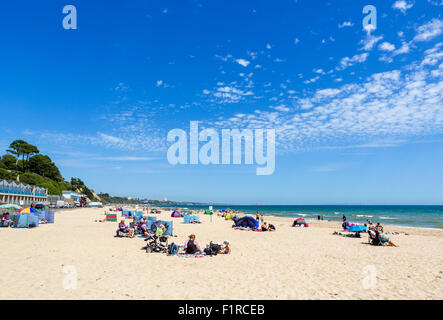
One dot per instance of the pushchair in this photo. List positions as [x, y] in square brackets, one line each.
[157, 244]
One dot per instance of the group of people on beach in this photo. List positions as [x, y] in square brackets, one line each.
[264, 225]
[192, 247]
[375, 232]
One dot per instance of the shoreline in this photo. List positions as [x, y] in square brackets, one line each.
[312, 215]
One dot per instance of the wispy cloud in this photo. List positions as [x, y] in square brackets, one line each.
[402, 5]
[398, 103]
[345, 24]
[429, 31]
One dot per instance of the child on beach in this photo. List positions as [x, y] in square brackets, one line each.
[226, 249]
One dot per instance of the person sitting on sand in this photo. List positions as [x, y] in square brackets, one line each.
[135, 225]
[122, 227]
[142, 225]
[191, 246]
[271, 227]
[6, 220]
[264, 226]
[226, 249]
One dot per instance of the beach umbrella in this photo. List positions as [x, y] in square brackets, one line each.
[10, 206]
[357, 228]
[29, 210]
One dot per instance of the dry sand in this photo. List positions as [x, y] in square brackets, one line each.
[291, 263]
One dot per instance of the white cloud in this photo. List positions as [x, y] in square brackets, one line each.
[370, 42]
[348, 62]
[429, 30]
[242, 62]
[345, 24]
[402, 5]
[403, 49]
[386, 46]
[400, 104]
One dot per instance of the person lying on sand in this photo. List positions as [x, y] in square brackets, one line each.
[191, 246]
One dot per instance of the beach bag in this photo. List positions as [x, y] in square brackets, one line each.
[215, 248]
[173, 249]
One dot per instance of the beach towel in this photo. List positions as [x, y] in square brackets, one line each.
[182, 253]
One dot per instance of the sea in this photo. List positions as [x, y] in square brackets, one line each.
[421, 216]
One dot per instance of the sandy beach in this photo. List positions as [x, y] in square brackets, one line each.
[291, 263]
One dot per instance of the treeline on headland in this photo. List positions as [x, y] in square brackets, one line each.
[24, 163]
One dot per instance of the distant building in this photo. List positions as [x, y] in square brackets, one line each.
[71, 195]
[95, 204]
[20, 193]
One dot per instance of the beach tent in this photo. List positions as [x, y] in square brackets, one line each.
[49, 216]
[26, 220]
[149, 221]
[191, 219]
[247, 222]
[138, 215]
[299, 222]
[175, 214]
[156, 224]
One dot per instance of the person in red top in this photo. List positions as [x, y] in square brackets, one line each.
[6, 220]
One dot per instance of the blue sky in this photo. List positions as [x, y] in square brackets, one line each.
[358, 116]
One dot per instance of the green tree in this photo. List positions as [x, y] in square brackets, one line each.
[43, 166]
[9, 161]
[28, 150]
[25, 150]
[16, 149]
[6, 175]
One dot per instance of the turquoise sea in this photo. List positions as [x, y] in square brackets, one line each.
[409, 216]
